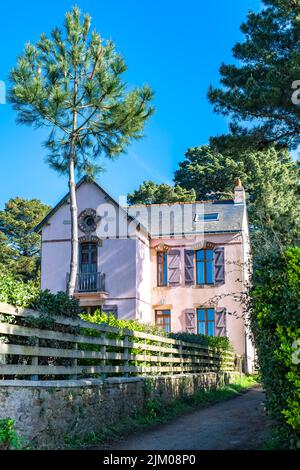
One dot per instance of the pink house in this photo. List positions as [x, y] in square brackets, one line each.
[183, 266]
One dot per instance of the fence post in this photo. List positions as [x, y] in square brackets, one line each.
[145, 357]
[3, 359]
[181, 356]
[126, 350]
[160, 345]
[35, 362]
[171, 356]
[103, 352]
[74, 362]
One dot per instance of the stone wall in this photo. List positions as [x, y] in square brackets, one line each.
[45, 412]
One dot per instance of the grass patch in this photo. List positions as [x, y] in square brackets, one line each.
[158, 413]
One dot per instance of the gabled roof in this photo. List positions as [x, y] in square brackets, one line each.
[230, 215]
[84, 179]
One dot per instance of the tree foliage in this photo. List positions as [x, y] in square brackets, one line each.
[72, 82]
[275, 322]
[258, 88]
[20, 245]
[76, 73]
[270, 178]
[29, 295]
[152, 193]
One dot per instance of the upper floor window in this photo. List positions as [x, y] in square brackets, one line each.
[205, 266]
[163, 319]
[206, 321]
[162, 268]
[88, 258]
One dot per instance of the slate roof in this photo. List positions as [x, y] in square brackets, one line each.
[178, 218]
[182, 221]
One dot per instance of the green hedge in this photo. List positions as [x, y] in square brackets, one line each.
[111, 320]
[29, 295]
[276, 330]
[221, 343]
[216, 342]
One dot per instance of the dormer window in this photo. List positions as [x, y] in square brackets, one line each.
[208, 217]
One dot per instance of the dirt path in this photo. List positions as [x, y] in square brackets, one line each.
[239, 423]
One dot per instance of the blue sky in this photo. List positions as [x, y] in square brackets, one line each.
[174, 46]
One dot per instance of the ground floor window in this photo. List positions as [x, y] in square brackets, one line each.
[206, 321]
[163, 319]
[90, 310]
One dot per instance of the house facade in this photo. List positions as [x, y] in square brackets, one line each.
[182, 266]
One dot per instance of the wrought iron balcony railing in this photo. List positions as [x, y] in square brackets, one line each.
[89, 282]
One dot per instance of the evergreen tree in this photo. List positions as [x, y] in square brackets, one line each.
[19, 245]
[270, 178]
[258, 89]
[152, 193]
[72, 83]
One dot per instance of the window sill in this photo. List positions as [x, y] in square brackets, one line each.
[204, 286]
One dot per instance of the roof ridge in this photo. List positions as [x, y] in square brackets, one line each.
[207, 201]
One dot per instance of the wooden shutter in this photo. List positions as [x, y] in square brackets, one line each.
[190, 320]
[174, 267]
[221, 321]
[219, 265]
[189, 276]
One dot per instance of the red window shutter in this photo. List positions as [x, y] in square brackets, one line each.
[219, 265]
[189, 256]
[190, 320]
[221, 321]
[174, 267]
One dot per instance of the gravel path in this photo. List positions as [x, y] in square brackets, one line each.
[238, 423]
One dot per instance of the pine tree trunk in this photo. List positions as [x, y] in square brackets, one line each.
[74, 226]
[73, 201]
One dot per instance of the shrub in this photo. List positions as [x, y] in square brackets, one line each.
[27, 294]
[215, 342]
[8, 436]
[111, 320]
[220, 343]
[276, 328]
[17, 292]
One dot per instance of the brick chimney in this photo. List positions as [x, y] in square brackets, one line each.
[239, 193]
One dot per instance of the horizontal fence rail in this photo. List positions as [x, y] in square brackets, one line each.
[77, 349]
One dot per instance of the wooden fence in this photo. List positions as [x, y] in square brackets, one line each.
[76, 349]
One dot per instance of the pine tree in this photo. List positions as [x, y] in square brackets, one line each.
[19, 244]
[257, 90]
[270, 178]
[72, 83]
[152, 193]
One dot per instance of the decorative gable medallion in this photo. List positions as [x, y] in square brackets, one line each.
[88, 221]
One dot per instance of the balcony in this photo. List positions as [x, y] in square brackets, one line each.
[89, 288]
